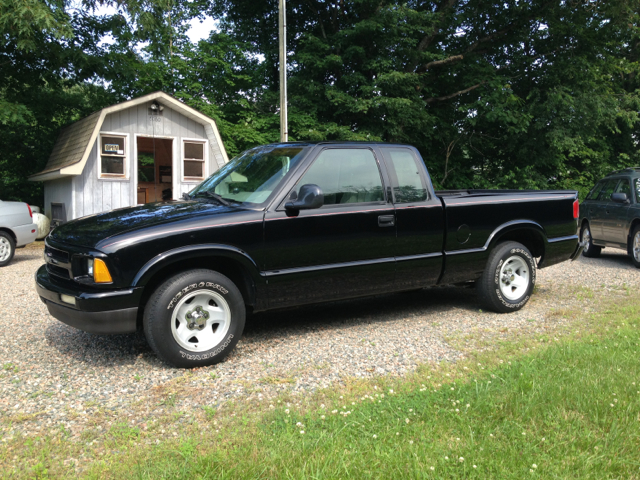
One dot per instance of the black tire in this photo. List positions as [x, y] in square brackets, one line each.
[634, 247]
[590, 250]
[187, 290]
[7, 248]
[493, 286]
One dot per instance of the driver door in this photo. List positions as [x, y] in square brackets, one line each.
[344, 248]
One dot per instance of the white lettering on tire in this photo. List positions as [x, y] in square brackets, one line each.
[210, 354]
[188, 288]
[496, 279]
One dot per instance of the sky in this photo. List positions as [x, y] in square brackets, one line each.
[200, 30]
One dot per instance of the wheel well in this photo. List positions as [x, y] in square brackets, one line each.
[230, 268]
[584, 222]
[13, 235]
[636, 222]
[529, 238]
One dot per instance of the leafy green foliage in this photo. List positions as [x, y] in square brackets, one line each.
[505, 94]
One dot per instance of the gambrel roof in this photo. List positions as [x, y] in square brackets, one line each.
[74, 144]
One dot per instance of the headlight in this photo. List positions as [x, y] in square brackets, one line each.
[98, 269]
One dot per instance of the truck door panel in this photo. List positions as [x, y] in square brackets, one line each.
[341, 250]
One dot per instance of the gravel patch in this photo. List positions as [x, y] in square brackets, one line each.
[53, 376]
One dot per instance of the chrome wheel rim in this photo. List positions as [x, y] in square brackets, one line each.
[514, 278]
[636, 246]
[586, 239]
[200, 321]
[5, 249]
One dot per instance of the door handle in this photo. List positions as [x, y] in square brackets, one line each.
[386, 221]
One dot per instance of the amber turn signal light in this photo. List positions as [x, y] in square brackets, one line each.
[101, 272]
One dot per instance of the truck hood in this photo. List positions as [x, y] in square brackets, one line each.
[94, 230]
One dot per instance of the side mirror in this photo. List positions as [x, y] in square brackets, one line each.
[620, 197]
[310, 197]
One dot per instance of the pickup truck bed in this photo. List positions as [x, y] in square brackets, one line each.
[290, 224]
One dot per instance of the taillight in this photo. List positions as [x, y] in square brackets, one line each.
[576, 209]
[30, 212]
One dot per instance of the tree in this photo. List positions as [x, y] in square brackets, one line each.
[509, 94]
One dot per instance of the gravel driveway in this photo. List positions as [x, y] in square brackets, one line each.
[55, 376]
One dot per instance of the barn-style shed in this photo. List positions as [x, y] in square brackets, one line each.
[147, 149]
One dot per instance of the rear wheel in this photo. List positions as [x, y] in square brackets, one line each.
[590, 250]
[194, 319]
[508, 280]
[635, 246]
[7, 248]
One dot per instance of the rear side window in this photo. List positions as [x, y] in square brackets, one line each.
[607, 190]
[410, 186]
[345, 175]
[636, 184]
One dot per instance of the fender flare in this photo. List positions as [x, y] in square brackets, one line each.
[516, 225]
[503, 229]
[193, 251]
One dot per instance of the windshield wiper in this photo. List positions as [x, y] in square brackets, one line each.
[185, 196]
[215, 196]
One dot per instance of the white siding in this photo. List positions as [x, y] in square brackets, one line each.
[94, 195]
[172, 124]
[58, 191]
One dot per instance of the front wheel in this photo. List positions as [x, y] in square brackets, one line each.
[194, 319]
[508, 280]
[590, 250]
[635, 246]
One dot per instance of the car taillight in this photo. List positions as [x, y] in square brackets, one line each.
[576, 209]
[30, 212]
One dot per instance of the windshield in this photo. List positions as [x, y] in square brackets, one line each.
[252, 176]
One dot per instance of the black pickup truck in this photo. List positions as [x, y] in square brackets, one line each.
[290, 224]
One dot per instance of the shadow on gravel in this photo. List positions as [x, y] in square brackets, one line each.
[614, 259]
[98, 350]
[119, 350]
[352, 313]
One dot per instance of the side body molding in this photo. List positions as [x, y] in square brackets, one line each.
[193, 251]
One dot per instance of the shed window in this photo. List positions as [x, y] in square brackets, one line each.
[194, 160]
[112, 156]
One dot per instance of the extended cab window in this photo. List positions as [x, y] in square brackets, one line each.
[636, 184]
[345, 175]
[607, 190]
[410, 186]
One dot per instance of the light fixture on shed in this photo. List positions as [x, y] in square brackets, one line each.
[156, 107]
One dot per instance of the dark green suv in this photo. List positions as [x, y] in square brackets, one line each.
[610, 215]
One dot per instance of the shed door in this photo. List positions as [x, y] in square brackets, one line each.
[154, 164]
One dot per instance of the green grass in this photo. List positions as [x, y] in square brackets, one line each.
[565, 409]
[571, 410]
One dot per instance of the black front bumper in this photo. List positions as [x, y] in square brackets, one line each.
[110, 311]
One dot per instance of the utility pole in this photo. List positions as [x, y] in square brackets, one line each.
[282, 23]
